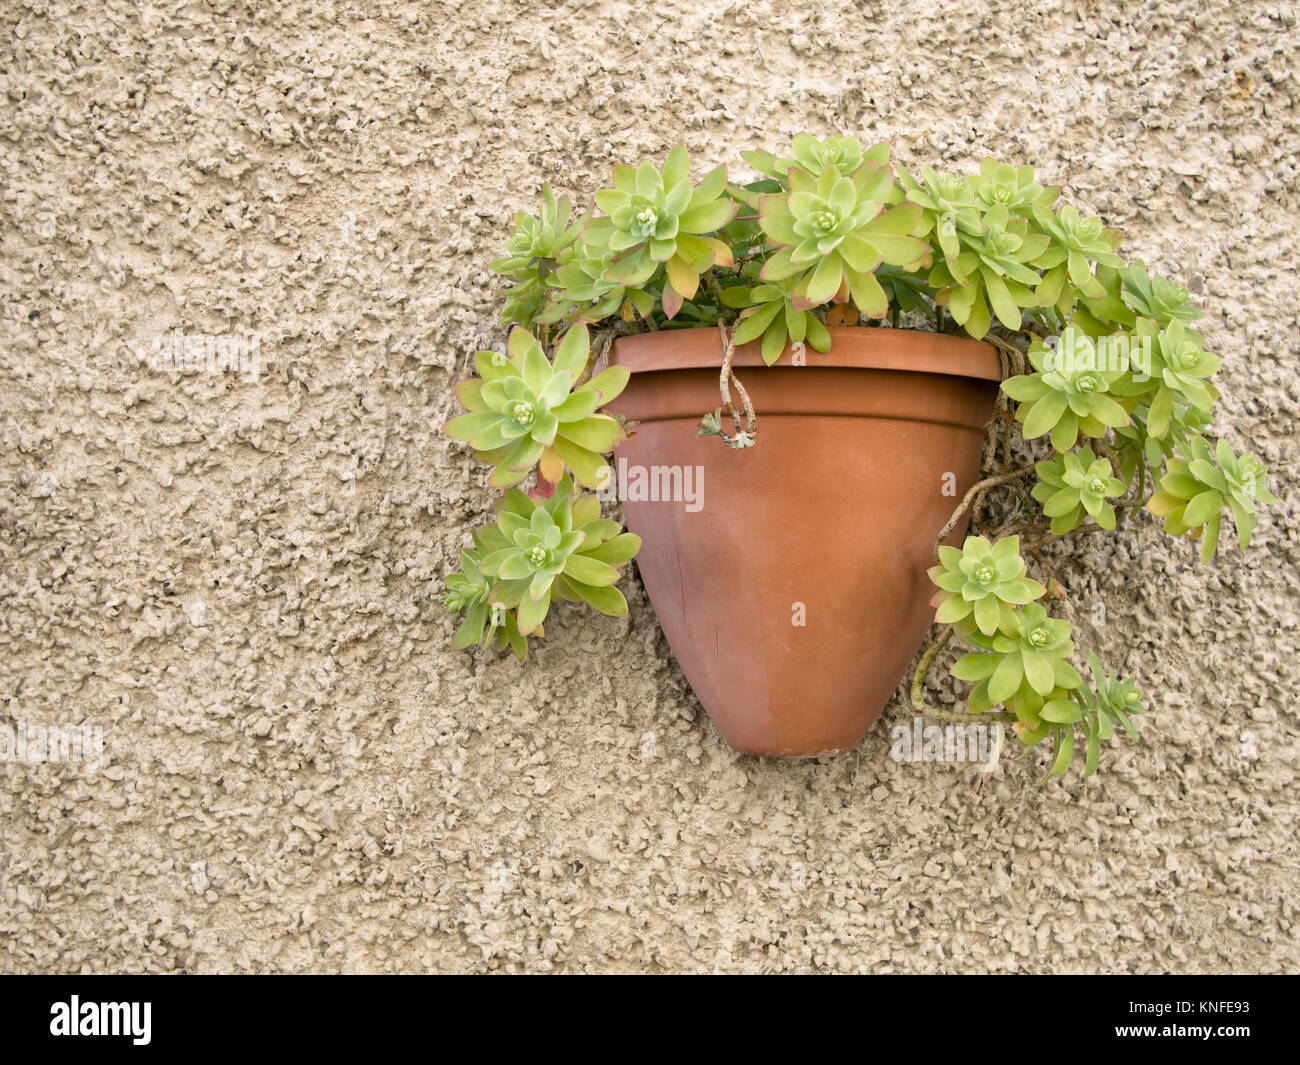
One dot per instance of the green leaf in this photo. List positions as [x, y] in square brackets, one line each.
[1025, 388]
[987, 614]
[819, 336]
[1094, 749]
[532, 612]
[773, 342]
[825, 280]
[616, 551]
[1038, 672]
[1064, 752]
[677, 168]
[710, 186]
[1044, 415]
[572, 351]
[597, 531]
[738, 296]
[598, 433]
[1004, 306]
[610, 382]
[752, 327]
[951, 610]
[579, 405]
[975, 667]
[588, 570]
[1210, 542]
[706, 217]
[607, 599]
[586, 465]
[465, 427]
[1202, 508]
[1006, 679]
[867, 294]
[1066, 431]
[1061, 712]
[492, 365]
[1124, 720]
[470, 630]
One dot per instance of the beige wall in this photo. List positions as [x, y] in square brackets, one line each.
[238, 579]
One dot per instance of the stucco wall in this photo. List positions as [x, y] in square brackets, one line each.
[238, 579]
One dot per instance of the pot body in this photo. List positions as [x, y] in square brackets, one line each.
[790, 577]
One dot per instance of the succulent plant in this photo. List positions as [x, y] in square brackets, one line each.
[540, 549]
[1076, 244]
[525, 409]
[1076, 483]
[769, 312]
[659, 218]
[1011, 188]
[1136, 448]
[814, 156]
[833, 230]
[1193, 494]
[948, 208]
[469, 592]
[829, 233]
[993, 269]
[1030, 653]
[581, 292]
[1095, 713]
[1064, 398]
[1177, 381]
[535, 249]
[983, 582]
[1119, 700]
[1157, 298]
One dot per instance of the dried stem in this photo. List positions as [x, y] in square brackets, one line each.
[976, 489]
[1091, 527]
[917, 693]
[726, 379]
[604, 344]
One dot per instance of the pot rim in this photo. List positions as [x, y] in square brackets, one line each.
[852, 347]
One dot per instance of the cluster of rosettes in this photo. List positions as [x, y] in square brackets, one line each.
[1020, 656]
[1128, 362]
[526, 412]
[538, 550]
[1116, 377]
[649, 247]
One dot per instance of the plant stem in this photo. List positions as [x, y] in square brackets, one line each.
[649, 320]
[976, 489]
[1107, 452]
[917, 692]
[715, 290]
[1016, 528]
[1091, 527]
[726, 379]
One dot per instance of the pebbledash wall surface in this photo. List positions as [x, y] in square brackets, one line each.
[232, 566]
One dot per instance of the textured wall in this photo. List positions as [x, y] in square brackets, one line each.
[237, 579]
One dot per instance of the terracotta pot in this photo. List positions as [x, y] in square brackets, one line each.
[793, 589]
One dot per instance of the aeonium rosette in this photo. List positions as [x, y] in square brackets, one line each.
[525, 409]
[658, 218]
[982, 584]
[546, 548]
[832, 231]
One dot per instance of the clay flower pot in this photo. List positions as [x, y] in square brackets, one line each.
[790, 577]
